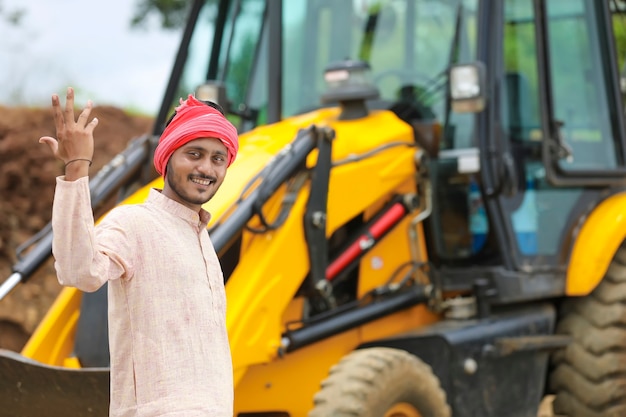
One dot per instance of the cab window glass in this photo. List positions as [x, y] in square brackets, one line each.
[580, 88]
[537, 214]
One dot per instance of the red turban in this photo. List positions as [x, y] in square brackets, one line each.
[194, 120]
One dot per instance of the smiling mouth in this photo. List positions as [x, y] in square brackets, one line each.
[202, 181]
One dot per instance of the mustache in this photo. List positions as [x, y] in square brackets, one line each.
[204, 177]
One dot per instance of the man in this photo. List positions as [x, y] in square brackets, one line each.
[167, 334]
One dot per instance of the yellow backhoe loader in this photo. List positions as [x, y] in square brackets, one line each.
[426, 217]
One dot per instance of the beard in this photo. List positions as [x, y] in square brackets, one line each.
[179, 189]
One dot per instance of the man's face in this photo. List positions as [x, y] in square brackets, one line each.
[195, 172]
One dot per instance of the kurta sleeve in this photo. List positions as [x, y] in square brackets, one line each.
[86, 256]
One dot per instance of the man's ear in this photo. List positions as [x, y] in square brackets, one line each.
[166, 169]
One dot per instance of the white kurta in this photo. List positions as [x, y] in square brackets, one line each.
[167, 305]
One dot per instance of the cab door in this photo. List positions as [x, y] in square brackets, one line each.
[560, 117]
[583, 122]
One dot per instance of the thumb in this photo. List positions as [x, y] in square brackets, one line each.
[51, 142]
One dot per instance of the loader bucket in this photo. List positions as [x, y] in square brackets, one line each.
[32, 389]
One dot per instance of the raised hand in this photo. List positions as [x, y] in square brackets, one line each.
[74, 143]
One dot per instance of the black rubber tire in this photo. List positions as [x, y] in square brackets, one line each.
[370, 382]
[589, 376]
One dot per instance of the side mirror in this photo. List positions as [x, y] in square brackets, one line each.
[467, 87]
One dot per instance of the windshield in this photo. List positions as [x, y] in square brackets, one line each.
[408, 44]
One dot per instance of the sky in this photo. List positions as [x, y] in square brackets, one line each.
[87, 45]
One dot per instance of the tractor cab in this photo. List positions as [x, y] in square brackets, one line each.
[512, 192]
[530, 208]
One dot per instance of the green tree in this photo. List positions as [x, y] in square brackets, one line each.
[13, 17]
[173, 13]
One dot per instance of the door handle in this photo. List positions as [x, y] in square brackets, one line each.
[559, 148]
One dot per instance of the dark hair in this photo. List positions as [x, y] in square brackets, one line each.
[207, 102]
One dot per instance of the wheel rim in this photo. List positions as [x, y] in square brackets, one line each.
[403, 410]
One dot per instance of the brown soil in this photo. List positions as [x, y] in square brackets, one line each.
[27, 178]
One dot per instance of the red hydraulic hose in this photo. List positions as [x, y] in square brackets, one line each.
[374, 233]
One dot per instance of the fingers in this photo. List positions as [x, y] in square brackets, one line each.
[64, 117]
[91, 125]
[68, 113]
[59, 123]
[84, 115]
[51, 142]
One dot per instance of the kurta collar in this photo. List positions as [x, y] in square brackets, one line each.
[174, 207]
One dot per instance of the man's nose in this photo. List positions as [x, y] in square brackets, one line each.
[205, 167]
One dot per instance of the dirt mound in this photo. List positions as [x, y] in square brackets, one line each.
[27, 178]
